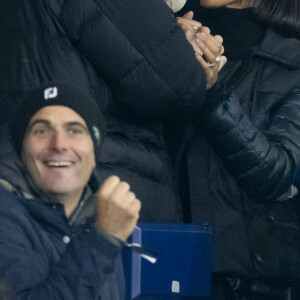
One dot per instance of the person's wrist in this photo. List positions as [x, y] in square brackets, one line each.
[109, 237]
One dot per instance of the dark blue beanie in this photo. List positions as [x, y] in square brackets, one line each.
[64, 94]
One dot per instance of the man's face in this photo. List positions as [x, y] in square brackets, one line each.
[58, 151]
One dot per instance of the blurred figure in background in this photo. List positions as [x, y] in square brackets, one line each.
[241, 163]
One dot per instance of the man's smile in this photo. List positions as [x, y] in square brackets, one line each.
[59, 164]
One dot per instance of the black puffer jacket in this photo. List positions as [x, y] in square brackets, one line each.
[130, 56]
[243, 161]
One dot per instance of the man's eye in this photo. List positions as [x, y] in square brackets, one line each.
[40, 132]
[75, 131]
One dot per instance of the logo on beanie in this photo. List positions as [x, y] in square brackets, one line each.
[96, 134]
[50, 93]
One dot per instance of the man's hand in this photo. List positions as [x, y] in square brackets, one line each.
[117, 209]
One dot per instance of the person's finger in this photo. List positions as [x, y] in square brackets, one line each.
[189, 33]
[188, 22]
[223, 61]
[222, 50]
[202, 62]
[108, 186]
[198, 52]
[182, 20]
[120, 190]
[192, 24]
[211, 49]
[213, 44]
[133, 207]
[210, 71]
[205, 29]
[136, 208]
[208, 55]
[189, 15]
[129, 197]
[218, 38]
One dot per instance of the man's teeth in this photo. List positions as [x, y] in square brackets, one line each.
[59, 164]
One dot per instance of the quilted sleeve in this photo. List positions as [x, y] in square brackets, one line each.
[137, 47]
[263, 162]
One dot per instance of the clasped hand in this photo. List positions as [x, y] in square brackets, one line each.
[208, 48]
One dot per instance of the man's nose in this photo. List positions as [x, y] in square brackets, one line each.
[58, 141]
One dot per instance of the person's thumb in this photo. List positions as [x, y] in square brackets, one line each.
[189, 15]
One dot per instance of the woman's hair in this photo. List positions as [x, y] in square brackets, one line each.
[281, 15]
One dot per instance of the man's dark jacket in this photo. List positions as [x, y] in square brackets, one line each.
[131, 57]
[244, 159]
[43, 257]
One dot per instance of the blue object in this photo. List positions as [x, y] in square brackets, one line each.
[184, 261]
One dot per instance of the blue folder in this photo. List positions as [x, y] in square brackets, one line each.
[183, 267]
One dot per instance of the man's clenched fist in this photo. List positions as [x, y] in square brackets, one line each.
[117, 209]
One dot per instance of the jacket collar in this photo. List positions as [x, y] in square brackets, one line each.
[282, 50]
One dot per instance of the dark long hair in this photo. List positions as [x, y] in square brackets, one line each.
[281, 15]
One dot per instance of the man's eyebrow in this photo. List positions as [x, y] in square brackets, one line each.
[48, 123]
[75, 123]
[42, 121]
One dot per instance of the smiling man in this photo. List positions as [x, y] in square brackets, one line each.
[59, 154]
[52, 247]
